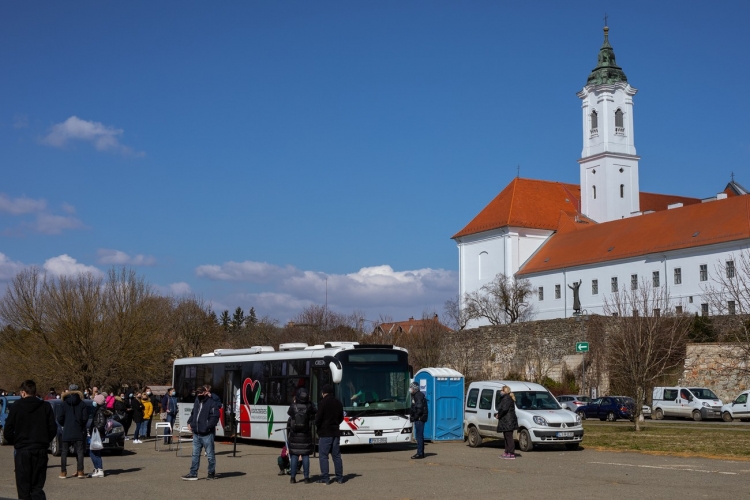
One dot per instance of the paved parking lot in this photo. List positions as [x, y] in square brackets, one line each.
[451, 470]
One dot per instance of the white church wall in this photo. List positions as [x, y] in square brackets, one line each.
[689, 293]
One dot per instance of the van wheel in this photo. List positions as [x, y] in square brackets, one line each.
[659, 414]
[726, 417]
[611, 417]
[571, 446]
[697, 416]
[475, 439]
[524, 440]
[54, 447]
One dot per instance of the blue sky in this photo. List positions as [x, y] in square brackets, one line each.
[248, 152]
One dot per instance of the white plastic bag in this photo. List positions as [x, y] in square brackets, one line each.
[96, 440]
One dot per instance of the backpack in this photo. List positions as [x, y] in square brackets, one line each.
[300, 420]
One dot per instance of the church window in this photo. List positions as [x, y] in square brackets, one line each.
[635, 313]
[619, 126]
[557, 291]
[678, 309]
[731, 307]
[690, 299]
[615, 288]
[594, 189]
[594, 122]
[678, 276]
[622, 190]
[657, 313]
[634, 282]
[594, 287]
[655, 279]
[730, 269]
[704, 309]
[541, 293]
[484, 263]
[704, 272]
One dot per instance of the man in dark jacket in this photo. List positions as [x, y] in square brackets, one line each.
[202, 423]
[301, 413]
[73, 420]
[30, 427]
[328, 419]
[418, 416]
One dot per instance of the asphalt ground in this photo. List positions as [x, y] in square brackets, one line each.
[451, 470]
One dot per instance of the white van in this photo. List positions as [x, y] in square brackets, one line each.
[697, 403]
[541, 420]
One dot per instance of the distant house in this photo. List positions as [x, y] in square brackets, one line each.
[411, 325]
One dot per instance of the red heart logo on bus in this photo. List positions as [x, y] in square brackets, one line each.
[251, 391]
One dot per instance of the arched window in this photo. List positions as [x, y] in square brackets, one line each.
[484, 263]
[594, 121]
[619, 127]
[622, 190]
[594, 188]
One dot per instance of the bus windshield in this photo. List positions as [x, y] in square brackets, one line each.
[374, 382]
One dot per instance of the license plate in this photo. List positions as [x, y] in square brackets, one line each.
[378, 440]
[105, 440]
[568, 434]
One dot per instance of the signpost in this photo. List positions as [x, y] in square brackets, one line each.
[583, 348]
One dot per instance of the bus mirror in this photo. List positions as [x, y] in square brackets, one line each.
[335, 366]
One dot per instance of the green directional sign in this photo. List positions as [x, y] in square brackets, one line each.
[582, 347]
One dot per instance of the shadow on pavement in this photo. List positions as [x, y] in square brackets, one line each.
[222, 475]
[117, 472]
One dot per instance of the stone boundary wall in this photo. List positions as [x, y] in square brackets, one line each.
[721, 367]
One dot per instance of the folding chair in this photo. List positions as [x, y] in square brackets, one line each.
[185, 435]
[160, 437]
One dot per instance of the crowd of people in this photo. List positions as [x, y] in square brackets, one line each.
[31, 425]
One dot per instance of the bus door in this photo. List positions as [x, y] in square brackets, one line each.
[232, 387]
[321, 375]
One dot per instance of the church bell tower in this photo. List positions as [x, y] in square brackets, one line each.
[608, 164]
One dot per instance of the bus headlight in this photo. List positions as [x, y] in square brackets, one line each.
[406, 430]
[347, 433]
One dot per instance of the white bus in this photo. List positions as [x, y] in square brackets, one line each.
[256, 387]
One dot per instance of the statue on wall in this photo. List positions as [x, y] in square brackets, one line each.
[576, 299]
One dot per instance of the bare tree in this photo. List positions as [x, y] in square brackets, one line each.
[192, 329]
[502, 300]
[457, 317]
[728, 293]
[646, 340]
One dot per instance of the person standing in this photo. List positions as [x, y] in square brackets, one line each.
[169, 406]
[302, 413]
[507, 421]
[202, 423]
[29, 427]
[98, 422]
[148, 411]
[328, 418]
[73, 420]
[51, 394]
[155, 410]
[418, 416]
[137, 408]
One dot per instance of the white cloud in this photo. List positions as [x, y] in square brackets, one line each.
[20, 121]
[9, 268]
[252, 272]
[180, 288]
[55, 224]
[68, 208]
[118, 258]
[22, 205]
[65, 265]
[103, 137]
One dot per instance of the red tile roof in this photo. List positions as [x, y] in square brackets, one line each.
[412, 325]
[532, 203]
[691, 226]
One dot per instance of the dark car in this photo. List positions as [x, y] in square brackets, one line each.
[609, 408]
[113, 440]
[5, 402]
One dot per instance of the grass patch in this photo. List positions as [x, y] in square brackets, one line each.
[731, 442]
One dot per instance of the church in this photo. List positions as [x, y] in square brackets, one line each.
[605, 234]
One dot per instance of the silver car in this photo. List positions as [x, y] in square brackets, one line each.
[573, 401]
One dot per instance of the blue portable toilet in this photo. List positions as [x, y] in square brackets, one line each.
[444, 390]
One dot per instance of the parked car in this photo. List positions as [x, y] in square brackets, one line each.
[738, 408]
[697, 403]
[541, 420]
[609, 408]
[113, 439]
[5, 402]
[572, 402]
[646, 411]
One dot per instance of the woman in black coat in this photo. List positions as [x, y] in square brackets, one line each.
[507, 421]
[301, 415]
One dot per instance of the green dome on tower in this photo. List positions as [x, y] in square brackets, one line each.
[607, 70]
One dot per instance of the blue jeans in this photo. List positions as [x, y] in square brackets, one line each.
[96, 458]
[200, 442]
[144, 428]
[305, 465]
[419, 436]
[167, 432]
[137, 430]
[330, 445]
